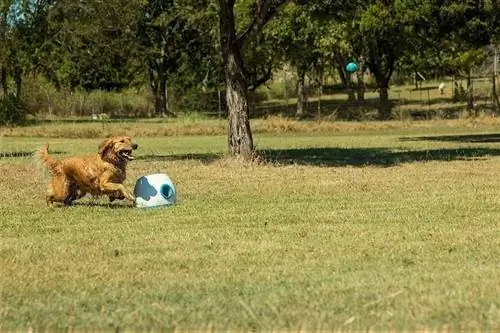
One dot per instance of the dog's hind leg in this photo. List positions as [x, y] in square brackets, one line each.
[60, 190]
[72, 193]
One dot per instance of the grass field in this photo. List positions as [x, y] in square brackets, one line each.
[375, 227]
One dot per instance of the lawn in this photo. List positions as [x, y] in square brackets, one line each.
[381, 227]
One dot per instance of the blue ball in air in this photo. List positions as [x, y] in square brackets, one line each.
[351, 67]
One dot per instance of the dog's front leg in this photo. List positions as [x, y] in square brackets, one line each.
[115, 196]
[110, 188]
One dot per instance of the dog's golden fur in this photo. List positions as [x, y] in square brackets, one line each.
[102, 173]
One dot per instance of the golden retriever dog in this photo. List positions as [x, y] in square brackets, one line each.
[102, 173]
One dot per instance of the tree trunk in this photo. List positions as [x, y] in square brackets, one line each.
[384, 109]
[346, 82]
[18, 80]
[240, 141]
[496, 101]
[470, 94]
[361, 91]
[320, 72]
[360, 87]
[302, 94]
[351, 95]
[152, 85]
[161, 102]
[383, 76]
[158, 85]
[3, 82]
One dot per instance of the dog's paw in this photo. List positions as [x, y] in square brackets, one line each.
[116, 196]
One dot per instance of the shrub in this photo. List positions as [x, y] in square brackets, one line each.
[12, 111]
[43, 99]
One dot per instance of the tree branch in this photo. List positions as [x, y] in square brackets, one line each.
[258, 81]
[266, 9]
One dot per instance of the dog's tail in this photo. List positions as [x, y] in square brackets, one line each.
[52, 164]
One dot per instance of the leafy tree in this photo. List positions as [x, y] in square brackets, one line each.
[464, 28]
[297, 35]
[335, 41]
[22, 26]
[452, 39]
[175, 38]
[380, 33]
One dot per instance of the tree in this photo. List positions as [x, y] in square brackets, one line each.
[240, 141]
[22, 29]
[175, 36]
[380, 34]
[298, 36]
[4, 45]
[464, 27]
[452, 39]
[335, 42]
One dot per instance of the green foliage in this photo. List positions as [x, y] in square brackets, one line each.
[450, 33]
[303, 42]
[96, 49]
[12, 111]
[177, 40]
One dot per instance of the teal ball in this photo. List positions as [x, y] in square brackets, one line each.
[351, 67]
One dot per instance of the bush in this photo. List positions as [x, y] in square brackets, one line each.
[43, 99]
[12, 111]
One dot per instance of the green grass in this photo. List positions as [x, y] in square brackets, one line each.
[381, 229]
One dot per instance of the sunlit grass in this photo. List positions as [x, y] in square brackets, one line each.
[196, 125]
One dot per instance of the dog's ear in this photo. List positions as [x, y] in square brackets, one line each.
[105, 145]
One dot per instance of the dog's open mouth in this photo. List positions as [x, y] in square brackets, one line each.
[126, 154]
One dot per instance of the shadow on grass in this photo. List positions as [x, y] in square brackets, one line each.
[114, 205]
[370, 156]
[344, 109]
[467, 138]
[338, 157]
[203, 158]
[425, 88]
[366, 109]
[23, 153]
